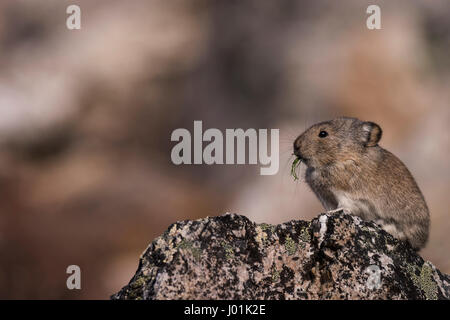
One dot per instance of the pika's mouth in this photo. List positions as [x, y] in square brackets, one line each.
[299, 156]
[299, 159]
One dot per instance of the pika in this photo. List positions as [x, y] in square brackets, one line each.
[347, 169]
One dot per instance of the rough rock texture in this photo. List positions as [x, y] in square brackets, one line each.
[335, 256]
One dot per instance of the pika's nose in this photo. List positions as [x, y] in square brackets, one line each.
[297, 148]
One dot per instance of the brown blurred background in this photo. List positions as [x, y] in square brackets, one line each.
[86, 117]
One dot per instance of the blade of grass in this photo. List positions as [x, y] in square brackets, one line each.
[295, 164]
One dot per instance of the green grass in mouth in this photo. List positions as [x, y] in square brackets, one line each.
[295, 164]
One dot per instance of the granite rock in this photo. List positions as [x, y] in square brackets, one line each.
[334, 256]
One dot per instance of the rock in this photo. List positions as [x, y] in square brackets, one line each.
[336, 256]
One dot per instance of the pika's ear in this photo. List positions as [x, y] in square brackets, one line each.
[371, 134]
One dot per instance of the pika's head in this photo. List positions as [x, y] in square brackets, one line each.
[335, 141]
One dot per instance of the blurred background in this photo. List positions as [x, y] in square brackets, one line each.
[86, 117]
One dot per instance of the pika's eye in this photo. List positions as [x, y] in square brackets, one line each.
[323, 134]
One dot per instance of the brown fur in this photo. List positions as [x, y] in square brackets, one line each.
[348, 169]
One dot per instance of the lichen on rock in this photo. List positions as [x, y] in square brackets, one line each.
[336, 256]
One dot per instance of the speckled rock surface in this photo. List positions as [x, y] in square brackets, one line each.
[336, 256]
